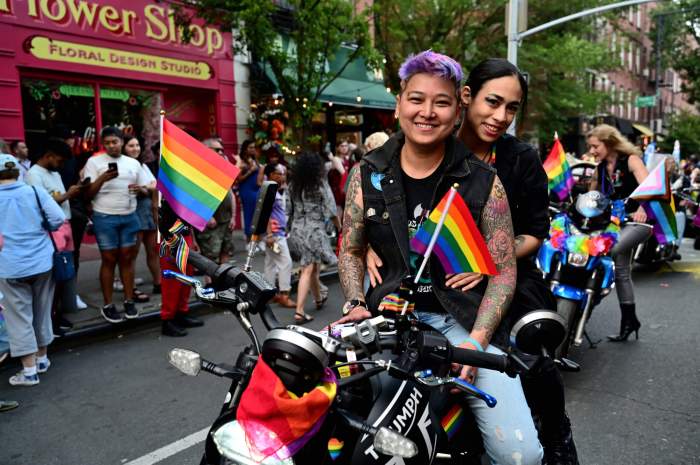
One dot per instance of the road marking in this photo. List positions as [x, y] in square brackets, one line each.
[171, 449]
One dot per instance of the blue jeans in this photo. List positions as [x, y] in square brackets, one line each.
[509, 435]
[115, 231]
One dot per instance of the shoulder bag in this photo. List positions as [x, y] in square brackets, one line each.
[63, 266]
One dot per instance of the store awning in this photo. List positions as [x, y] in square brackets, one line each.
[356, 80]
[644, 130]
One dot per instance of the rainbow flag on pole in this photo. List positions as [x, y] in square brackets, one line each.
[654, 194]
[192, 178]
[558, 172]
[450, 232]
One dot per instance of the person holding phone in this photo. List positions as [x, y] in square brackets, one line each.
[117, 180]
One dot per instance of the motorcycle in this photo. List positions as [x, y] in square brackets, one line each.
[653, 255]
[393, 378]
[576, 263]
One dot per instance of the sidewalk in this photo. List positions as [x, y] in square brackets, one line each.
[90, 320]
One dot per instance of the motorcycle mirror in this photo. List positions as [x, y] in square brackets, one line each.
[390, 442]
[231, 442]
[187, 361]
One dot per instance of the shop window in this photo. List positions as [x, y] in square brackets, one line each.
[135, 112]
[47, 105]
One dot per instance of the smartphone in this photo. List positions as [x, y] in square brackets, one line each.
[112, 166]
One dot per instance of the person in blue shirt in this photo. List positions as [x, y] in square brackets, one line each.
[26, 262]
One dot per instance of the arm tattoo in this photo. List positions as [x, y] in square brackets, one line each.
[353, 247]
[519, 241]
[498, 234]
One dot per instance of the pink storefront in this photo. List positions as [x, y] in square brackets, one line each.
[86, 64]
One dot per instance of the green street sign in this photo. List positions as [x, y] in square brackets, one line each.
[645, 101]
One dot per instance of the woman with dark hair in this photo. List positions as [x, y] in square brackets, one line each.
[620, 170]
[494, 93]
[309, 205]
[248, 183]
[147, 213]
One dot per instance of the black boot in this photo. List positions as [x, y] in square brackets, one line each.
[558, 444]
[172, 329]
[187, 321]
[628, 324]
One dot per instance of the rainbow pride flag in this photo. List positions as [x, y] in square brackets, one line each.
[192, 178]
[450, 232]
[654, 194]
[452, 421]
[557, 168]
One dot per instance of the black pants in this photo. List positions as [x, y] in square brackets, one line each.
[78, 224]
[545, 391]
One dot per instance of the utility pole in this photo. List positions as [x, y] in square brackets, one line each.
[515, 37]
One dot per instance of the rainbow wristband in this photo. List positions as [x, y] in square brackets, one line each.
[475, 343]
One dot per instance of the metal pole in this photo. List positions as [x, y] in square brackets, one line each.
[657, 79]
[513, 39]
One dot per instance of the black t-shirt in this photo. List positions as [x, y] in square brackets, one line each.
[419, 193]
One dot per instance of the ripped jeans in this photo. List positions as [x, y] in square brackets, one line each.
[509, 435]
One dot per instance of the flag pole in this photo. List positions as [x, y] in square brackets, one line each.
[433, 240]
[160, 155]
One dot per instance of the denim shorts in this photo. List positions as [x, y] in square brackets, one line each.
[144, 211]
[115, 231]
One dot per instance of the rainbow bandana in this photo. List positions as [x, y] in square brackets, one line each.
[177, 243]
[394, 302]
[277, 422]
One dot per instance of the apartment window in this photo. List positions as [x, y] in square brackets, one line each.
[613, 95]
[638, 14]
[629, 104]
[638, 59]
[636, 111]
[630, 56]
[613, 41]
[622, 51]
[630, 14]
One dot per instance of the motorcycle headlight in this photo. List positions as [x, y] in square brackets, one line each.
[578, 259]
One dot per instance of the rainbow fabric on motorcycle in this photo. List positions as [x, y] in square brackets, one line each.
[276, 422]
[584, 244]
[557, 168]
[459, 245]
[176, 242]
[335, 447]
[453, 420]
[394, 303]
[654, 193]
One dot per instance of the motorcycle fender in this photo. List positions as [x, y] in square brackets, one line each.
[568, 292]
[608, 267]
[545, 256]
[402, 406]
[592, 263]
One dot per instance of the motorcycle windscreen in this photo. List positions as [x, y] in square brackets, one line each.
[404, 407]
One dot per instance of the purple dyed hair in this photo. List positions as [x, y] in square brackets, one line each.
[433, 63]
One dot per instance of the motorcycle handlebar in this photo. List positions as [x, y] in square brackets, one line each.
[211, 268]
[480, 359]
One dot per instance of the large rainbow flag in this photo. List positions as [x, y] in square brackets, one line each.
[654, 194]
[450, 233]
[193, 179]
[558, 172]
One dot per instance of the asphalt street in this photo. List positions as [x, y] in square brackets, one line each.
[113, 398]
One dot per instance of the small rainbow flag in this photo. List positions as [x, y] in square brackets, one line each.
[176, 242]
[453, 420]
[557, 168]
[654, 193]
[335, 447]
[394, 303]
[192, 177]
[451, 233]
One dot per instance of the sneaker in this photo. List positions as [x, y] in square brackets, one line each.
[118, 286]
[79, 303]
[130, 310]
[43, 367]
[20, 379]
[110, 313]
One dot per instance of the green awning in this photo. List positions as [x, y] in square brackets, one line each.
[357, 79]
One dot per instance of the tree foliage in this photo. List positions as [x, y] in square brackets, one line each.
[296, 39]
[680, 44]
[559, 61]
[685, 128]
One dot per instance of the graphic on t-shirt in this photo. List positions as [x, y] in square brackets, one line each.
[424, 285]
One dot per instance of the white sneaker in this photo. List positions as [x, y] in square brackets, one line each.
[118, 286]
[43, 367]
[21, 380]
[79, 303]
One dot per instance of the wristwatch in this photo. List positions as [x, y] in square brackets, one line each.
[350, 305]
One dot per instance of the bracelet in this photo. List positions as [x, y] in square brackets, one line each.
[475, 343]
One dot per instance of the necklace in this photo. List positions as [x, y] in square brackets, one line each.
[489, 157]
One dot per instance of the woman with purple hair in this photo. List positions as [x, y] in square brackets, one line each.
[414, 169]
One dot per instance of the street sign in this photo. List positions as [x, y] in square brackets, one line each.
[645, 101]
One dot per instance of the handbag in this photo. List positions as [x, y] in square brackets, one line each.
[63, 266]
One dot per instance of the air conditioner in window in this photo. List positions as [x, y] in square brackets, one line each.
[645, 72]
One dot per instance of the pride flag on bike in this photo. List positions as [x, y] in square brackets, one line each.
[192, 177]
[450, 232]
[557, 168]
[654, 194]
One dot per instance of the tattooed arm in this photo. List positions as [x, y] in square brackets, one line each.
[353, 247]
[497, 228]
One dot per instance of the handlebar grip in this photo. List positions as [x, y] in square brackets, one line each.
[203, 264]
[479, 359]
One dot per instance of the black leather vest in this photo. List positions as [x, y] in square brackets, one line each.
[386, 222]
